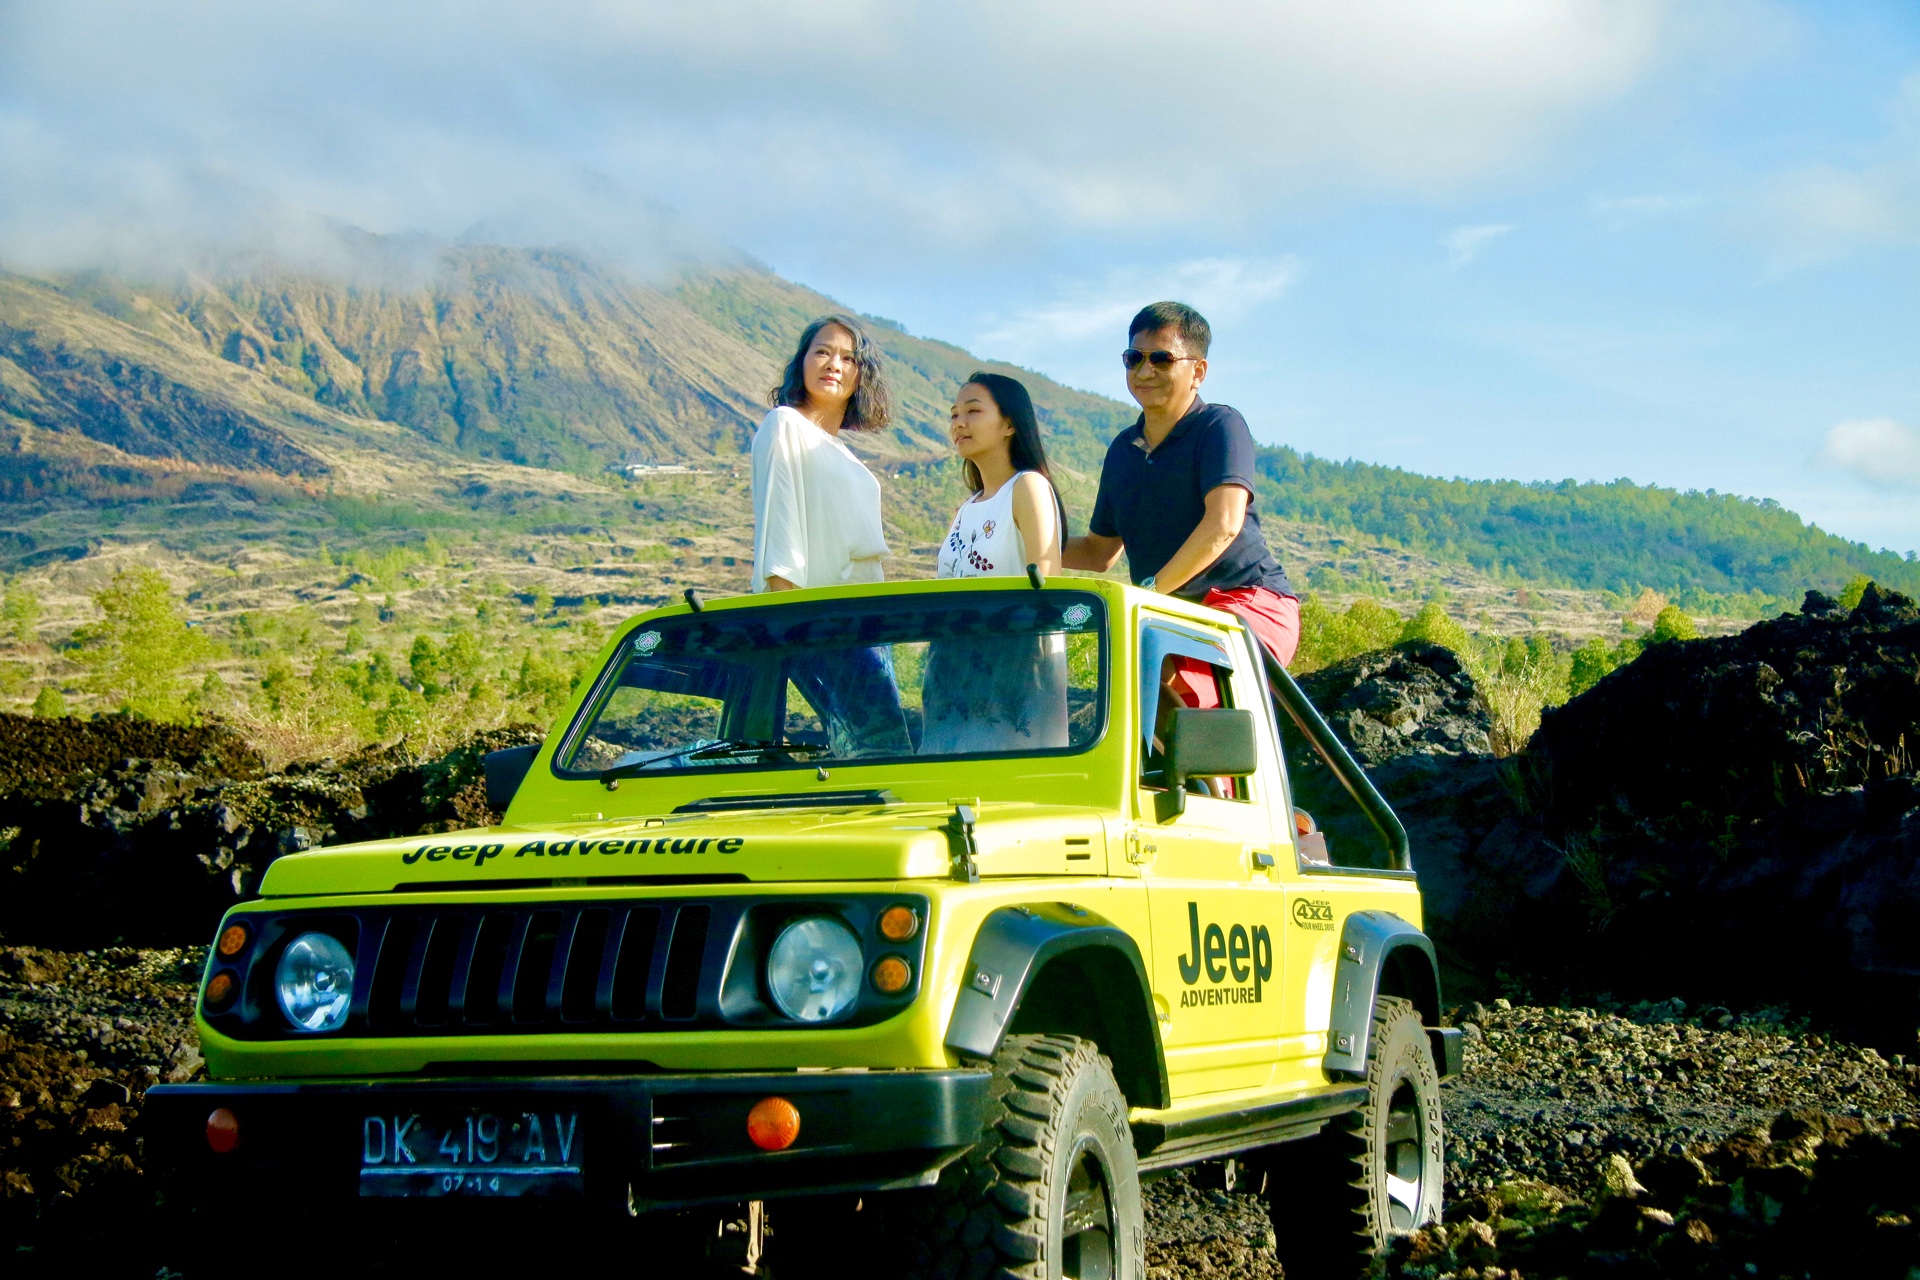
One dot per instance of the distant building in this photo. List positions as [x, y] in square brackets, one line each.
[638, 470]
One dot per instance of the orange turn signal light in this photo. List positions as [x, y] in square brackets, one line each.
[220, 990]
[223, 1130]
[891, 975]
[233, 940]
[773, 1124]
[897, 924]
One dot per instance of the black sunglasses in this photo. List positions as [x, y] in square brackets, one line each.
[1132, 357]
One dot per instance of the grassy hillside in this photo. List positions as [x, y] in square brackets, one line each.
[1618, 537]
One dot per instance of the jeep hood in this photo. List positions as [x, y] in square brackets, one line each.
[874, 842]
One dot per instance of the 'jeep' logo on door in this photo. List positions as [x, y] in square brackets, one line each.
[1313, 913]
[1243, 952]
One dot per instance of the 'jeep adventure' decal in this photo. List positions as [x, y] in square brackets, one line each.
[480, 853]
[1241, 951]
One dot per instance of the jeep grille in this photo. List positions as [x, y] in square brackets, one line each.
[561, 967]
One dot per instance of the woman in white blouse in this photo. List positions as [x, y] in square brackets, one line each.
[816, 507]
[816, 523]
[998, 693]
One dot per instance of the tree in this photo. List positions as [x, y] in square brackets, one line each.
[20, 615]
[1673, 624]
[1434, 626]
[137, 654]
[49, 705]
[1850, 595]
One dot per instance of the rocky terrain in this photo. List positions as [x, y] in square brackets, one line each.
[121, 832]
[1731, 1126]
[1733, 820]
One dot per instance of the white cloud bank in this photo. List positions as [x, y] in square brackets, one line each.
[968, 125]
[1878, 450]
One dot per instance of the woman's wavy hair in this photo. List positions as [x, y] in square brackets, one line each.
[1027, 450]
[871, 406]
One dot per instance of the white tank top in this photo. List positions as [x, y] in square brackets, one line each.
[983, 542]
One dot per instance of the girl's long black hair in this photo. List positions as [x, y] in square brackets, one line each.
[871, 406]
[1026, 450]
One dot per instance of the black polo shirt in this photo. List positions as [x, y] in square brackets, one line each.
[1154, 501]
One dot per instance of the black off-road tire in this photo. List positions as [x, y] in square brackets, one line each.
[1337, 1198]
[1052, 1191]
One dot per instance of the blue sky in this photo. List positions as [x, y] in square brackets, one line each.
[1539, 239]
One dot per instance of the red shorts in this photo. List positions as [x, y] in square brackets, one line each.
[1274, 620]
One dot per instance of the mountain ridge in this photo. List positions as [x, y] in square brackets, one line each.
[535, 365]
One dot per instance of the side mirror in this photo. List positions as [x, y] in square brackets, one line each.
[505, 771]
[1218, 743]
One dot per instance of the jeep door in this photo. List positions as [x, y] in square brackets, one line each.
[1216, 918]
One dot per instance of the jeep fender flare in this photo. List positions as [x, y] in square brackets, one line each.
[1010, 952]
[1374, 944]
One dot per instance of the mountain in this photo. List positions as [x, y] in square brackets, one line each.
[488, 388]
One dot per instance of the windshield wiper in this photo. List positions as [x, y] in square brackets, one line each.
[610, 778]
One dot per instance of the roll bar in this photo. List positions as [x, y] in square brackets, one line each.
[1289, 697]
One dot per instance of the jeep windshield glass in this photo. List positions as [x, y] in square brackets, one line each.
[875, 680]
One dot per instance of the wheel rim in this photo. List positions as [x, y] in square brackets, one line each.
[1404, 1154]
[1087, 1228]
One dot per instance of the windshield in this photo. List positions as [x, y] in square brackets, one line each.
[875, 680]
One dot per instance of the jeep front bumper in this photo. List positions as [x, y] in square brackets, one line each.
[648, 1142]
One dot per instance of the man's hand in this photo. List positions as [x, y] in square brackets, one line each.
[1092, 551]
[1226, 513]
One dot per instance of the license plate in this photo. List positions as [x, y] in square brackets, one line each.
[471, 1153]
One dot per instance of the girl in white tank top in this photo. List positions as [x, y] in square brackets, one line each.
[984, 541]
[998, 693]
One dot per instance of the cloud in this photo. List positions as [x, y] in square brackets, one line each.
[976, 126]
[1819, 213]
[1463, 244]
[1222, 289]
[1878, 450]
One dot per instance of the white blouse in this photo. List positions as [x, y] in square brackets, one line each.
[816, 507]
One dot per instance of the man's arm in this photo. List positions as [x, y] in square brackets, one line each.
[1226, 512]
[1094, 551]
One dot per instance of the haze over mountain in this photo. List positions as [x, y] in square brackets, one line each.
[464, 380]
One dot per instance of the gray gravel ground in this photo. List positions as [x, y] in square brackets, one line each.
[1549, 1094]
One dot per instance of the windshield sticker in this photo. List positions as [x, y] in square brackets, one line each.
[567, 848]
[647, 641]
[1076, 615]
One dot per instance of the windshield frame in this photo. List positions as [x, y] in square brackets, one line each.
[608, 680]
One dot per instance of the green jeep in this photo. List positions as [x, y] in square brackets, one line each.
[922, 900]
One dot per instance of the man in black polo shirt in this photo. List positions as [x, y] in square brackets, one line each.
[1176, 490]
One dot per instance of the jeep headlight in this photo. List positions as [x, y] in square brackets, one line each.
[314, 982]
[814, 969]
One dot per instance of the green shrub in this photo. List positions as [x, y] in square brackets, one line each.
[137, 655]
[49, 705]
[1327, 637]
[1434, 626]
[1850, 595]
[1672, 623]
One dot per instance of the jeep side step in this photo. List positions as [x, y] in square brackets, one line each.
[1163, 1144]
